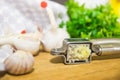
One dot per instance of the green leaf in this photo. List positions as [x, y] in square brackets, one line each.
[91, 23]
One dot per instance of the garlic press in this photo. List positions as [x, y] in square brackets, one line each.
[77, 50]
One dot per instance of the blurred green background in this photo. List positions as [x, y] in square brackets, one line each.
[100, 22]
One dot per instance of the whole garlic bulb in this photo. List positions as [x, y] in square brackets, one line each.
[19, 63]
[28, 42]
[54, 38]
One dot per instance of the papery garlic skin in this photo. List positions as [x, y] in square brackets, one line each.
[20, 62]
[5, 51]
[54, 38]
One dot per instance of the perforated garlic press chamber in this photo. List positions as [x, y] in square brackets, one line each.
[77, 50]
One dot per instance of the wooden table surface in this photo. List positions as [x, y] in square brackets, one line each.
[48, 67]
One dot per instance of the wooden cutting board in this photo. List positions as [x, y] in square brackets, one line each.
[48, 67]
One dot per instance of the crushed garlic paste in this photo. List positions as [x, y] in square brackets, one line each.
[78, 52]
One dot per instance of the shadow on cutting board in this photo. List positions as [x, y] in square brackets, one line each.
[58, 59]
[2, 73]
[105, 57]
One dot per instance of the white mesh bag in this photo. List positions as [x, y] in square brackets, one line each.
[18, 15]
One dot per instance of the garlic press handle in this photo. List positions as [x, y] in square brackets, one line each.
[106, 46]
[57, 51]
[106, 41]
[106, 49]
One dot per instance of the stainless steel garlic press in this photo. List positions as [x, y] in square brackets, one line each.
[77, 50]
[70, 51]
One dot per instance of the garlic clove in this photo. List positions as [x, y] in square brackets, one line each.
[19, 63]
[23, 63]
[9, 65]
[27, 65]
[19, 66]
[16, 65]
[30, 61]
